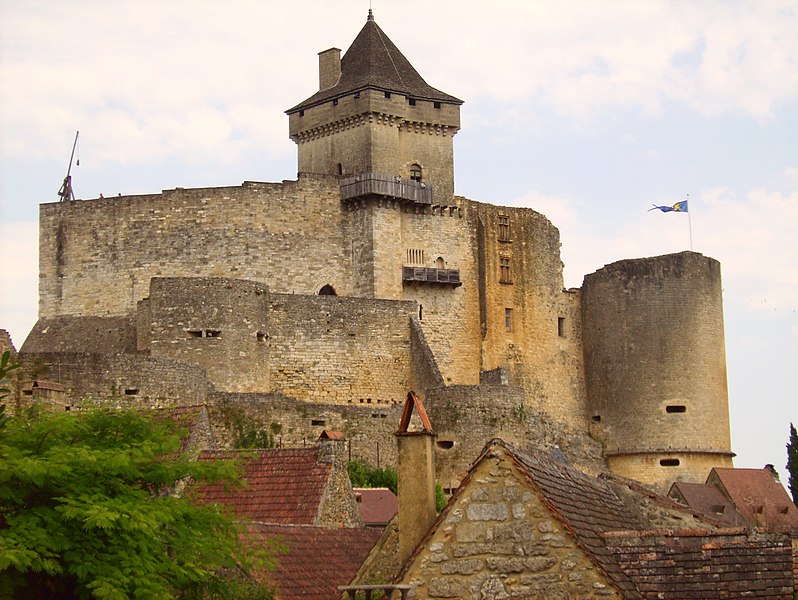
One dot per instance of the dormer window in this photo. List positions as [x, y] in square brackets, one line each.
[415, 172]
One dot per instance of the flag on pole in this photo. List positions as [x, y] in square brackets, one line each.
[678, 207]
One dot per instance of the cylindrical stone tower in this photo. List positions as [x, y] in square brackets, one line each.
[655, 367]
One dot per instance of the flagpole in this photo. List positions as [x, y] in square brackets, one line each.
[690, 222]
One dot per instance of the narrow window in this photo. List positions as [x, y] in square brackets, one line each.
[436, 104]
[669, 462]
[357, 95]
[596, 418]
[420, 312]
[197, 333]
[508, 320]
[561, 326]
[387, 94]
[317, 422]
[504, 228]
[415, 172]
[505, 275]
[675, 408]
[440, 263]
[213, 333]
[340, 169]
[131, 391]
[411, 101]
[445, 444]
[301, 113]
[335, 101]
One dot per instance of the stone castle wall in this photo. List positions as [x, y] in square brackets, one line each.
[656, 366]
[96, 257]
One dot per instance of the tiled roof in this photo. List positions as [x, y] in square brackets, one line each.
[667, 565]
[377, 505]
[317, 559]
[709, 500]
[280, 485]
[373, 61]
[761, 499]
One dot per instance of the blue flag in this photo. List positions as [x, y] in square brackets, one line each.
[678, 207]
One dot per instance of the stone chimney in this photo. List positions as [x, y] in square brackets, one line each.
[338, 506]
[329, 68]
[416, 478]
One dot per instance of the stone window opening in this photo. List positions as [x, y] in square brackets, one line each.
[131, 391]
[317, 422]
[415, 172]
[213, 333]
[420, 312]
[411, 101]
[508, 320]
[335, 101]
[357, 95]
[327, 290]
[504, 228]
[669, 462]
[204, 333]
[387, 94]
[596, 418]
[436, 104]
[440, 263]
[505, 273]
[301, 113]
[262, 336]
[561, 327]
[340, 169]
[415, 256]
[445, 444]
[676, 408]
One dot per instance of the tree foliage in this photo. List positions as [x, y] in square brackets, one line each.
[87, 510]
[792, 464]
[361, 474]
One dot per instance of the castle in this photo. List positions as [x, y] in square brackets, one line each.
[318, 303]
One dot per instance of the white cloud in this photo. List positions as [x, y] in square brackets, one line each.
[19, 257]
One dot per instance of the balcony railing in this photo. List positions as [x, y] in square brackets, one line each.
[427, 275]
[374, 184]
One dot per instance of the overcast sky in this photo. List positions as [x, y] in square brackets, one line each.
[589, 112]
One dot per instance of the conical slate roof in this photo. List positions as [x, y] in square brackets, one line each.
[373, 61]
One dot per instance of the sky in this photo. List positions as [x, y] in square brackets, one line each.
[586, 111]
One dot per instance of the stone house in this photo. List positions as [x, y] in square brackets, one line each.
[299, 501]
[530, 525]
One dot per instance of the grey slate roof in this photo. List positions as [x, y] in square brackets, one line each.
[373, 61]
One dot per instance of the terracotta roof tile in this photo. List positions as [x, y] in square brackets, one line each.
[377, 505]
[690, 565]
[280, 485]
[761, 499]
[709, 500]
[317, 560]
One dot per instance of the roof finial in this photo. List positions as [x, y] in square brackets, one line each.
[371, 15]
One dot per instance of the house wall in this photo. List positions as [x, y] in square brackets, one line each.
[499, 539]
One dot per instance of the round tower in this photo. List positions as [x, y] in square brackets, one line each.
[655, 367]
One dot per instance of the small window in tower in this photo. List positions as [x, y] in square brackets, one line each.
[387, 94]
[596, 418]
[440, 263]
[261, 336]
[504, 228]
[669, 462]
[198, 333]
[411, 101]
[505, 274]
[445, 444]
[561, 326]
[340, 168]
[213, 333]
[508, 320]
[675, 408]
[436, 104]
[301, 113]
[357, 95]
[131, 391]
[415, 172]
[335, 101]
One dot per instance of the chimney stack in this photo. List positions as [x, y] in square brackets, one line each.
[416, 478]
[329, 68]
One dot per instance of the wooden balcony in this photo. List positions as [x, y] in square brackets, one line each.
[427, 275]
[374, 184]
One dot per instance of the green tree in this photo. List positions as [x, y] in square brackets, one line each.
[792, 464]
[87, 509]
[361, 474]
